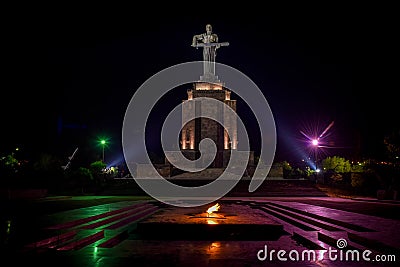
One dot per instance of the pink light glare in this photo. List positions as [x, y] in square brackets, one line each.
[314, 142]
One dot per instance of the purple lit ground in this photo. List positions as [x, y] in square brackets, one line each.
[107, 231]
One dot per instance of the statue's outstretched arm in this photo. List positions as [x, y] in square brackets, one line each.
[196, 38]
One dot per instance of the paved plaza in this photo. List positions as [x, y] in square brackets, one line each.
[248, 229]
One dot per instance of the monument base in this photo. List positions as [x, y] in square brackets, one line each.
[209, 78]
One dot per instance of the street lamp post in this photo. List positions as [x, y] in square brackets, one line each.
[315, 144]
[103, 143]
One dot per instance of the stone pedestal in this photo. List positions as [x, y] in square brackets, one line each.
[200, 128]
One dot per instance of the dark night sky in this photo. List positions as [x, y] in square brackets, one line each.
[71, 72]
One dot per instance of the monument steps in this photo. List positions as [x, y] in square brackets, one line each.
[207, 174]
[343, 224]
[271, 186]
[318, 233]
[109, 228]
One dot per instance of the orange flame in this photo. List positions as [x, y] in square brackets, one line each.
[213, 208]
[211, 221]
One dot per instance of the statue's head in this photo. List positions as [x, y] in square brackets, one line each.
[208, 28]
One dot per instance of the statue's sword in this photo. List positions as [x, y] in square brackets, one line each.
[211, 44]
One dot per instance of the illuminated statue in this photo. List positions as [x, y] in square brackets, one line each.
[209, 42]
